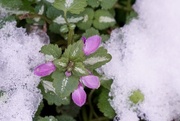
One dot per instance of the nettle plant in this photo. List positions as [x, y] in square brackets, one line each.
[71, 71]
[76, 29]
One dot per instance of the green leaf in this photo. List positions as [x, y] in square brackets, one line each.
[61, 63]
[64, 29]
[107, 4]
[47, 118]
[86, 23]
[106, 83]
[70, 18]
[27, 5]
[6, 19]
[39, 9]
[90, 32]
[93, 3]
[75, 52]
[103, 19]
[17, 5]
[40, 107]
[55, 28]
[12, 3]
[53, 98]
[53, 13]
[65, 118]
[51, 49]
[131, 16]
[63, 85]
[72, 109]
[105, 37]
[48, 86]
[49, 94]
[136, 97]
[73, 6]
[97, 59]
[79, 69]
[104, 105]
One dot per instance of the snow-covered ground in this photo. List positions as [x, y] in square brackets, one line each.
[146, 56]
[19, 54]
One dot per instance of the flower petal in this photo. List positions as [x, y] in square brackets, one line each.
[91, 81]
[79, 96]
[91, 44]
[44, 69]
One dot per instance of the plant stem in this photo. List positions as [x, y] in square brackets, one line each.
[92, 112]
[84, 114]
[70, 36]
[129, 5]
[71, 31]
[65, 18]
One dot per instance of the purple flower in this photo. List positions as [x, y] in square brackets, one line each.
[45, 69]
[91, 44]
[91, 81]
[79, 96]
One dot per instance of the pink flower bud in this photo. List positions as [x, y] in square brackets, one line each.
[91, 44]
[79, 96]
[45, 69]
[91, 81]
[68, 74]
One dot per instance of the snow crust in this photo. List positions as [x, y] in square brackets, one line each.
[145, 56]
[19, 54]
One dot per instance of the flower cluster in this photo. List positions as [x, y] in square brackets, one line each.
[91, 81]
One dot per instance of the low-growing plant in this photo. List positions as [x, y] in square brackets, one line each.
[70, 83]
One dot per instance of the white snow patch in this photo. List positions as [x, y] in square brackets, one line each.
[19, 54]
[145, 56]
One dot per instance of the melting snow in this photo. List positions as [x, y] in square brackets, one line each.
[19, 54]
[145, 56]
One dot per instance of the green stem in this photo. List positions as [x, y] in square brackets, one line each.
[84, 114]
[70, 36]
[129, 5]
[92, 112]
[71, 31]
[65, 18]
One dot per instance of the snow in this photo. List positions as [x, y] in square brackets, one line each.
[145, 56]
[19, 54]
